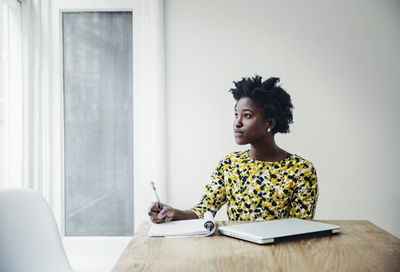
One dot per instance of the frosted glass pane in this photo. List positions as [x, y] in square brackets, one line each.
[3, 32]
[97, 48]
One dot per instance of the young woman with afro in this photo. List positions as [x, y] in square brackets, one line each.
[264, 182]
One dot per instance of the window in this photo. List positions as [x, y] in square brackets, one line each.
[39, 118]
[34, 111]
[98, 123]
[10, 94]
[3, 67]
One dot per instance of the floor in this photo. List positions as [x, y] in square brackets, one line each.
[94, 254]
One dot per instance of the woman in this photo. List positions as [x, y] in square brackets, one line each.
[265, 182]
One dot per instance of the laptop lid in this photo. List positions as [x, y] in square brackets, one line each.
[278, 230]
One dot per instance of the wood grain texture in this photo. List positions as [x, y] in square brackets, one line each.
[361, 246]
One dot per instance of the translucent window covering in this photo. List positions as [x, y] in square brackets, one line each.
[3, 65]
[98, 128]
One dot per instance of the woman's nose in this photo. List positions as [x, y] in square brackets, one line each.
[238, 122]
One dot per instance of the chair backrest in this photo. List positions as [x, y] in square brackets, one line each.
[29, 237]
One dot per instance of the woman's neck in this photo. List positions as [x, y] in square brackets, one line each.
[267, 151]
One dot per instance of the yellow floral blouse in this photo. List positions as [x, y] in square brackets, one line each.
[261, 190]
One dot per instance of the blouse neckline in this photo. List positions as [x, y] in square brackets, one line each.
[288, 157]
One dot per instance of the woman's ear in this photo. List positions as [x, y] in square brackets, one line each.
[270, 124]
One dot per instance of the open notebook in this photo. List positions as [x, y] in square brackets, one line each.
[185, 228]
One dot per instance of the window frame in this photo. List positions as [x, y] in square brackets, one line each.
[60, 194]
[63, 93]
[148, 101]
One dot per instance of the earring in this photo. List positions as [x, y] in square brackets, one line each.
[269, 129]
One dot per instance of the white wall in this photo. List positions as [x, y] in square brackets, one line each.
[339, 60]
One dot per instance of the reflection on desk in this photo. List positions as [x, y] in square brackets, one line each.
[361, 246]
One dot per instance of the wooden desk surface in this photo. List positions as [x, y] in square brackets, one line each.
[361, 246]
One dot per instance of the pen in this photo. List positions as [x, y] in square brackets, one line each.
[155, 192]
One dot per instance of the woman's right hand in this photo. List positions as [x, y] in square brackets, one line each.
[157, 215]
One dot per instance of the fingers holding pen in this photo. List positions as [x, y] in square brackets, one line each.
[156, 207]
[167, 213]
[157, 215]
[153, 212]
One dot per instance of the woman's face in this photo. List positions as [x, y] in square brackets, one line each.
[249, 125]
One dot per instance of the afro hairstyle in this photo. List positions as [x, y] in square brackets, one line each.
[271, 98]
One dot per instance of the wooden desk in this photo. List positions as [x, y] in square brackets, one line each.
[361, 246]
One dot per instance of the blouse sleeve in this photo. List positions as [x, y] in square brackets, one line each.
[305, 195]
[215, 195]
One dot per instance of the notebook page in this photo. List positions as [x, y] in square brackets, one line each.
[184, 228]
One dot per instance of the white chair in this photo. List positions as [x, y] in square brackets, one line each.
[29, 237]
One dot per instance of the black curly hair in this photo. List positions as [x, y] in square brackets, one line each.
[270, 97]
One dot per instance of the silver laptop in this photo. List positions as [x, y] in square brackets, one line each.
[278, 230]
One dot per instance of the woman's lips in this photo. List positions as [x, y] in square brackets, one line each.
[238, 132]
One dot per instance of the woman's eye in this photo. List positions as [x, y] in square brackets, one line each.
[247, 115]
[236, 115]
